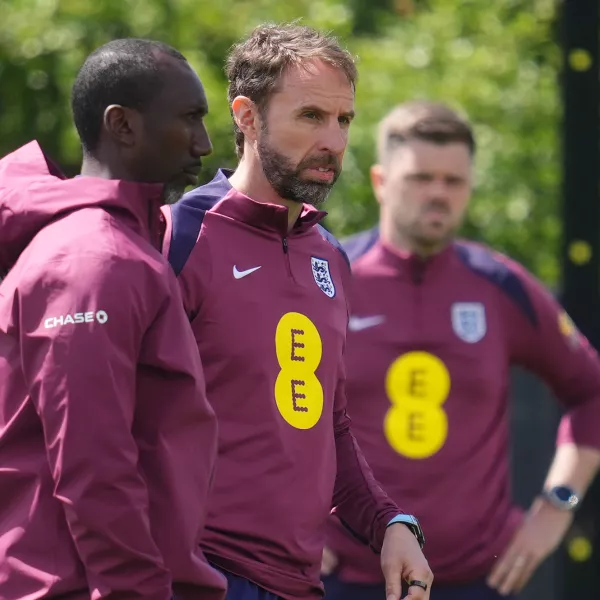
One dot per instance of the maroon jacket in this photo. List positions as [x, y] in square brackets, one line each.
[107, 441]
[269, 312]
[429, 354]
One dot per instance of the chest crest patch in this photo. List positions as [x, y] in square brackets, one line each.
[468, 321]
[322, 275]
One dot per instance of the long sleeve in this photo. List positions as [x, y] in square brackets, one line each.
[360, 504]
[81, 324]
[549, 344]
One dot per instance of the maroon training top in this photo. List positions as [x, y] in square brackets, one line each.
[429, 353]
[269, 312]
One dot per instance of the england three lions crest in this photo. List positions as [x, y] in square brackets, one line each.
[320, 269]
[468, 321]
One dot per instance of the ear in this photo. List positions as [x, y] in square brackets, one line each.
[122, 124]
[377, 181]
[246, 116]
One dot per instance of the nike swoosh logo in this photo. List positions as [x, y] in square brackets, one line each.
[360, 323]
[239, 274]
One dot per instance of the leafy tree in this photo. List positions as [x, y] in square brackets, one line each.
[496, 61]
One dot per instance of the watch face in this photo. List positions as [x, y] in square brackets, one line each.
[563, 497]
[563, 493]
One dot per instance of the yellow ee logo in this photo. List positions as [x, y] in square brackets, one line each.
[417, 385]
[298, 391]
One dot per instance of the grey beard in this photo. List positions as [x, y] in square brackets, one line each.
[172, 193]
[284, 178]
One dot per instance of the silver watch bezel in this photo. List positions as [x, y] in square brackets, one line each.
[551, 495]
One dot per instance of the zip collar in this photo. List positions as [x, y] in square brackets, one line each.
[410, 265]
[261, 215]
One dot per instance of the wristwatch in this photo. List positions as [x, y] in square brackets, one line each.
[562, 497]
[411, 522]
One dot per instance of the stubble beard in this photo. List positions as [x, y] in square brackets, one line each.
[285, 179]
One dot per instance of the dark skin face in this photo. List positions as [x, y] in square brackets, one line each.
[166, 142]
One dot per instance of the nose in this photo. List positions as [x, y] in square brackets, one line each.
[335, 138]
[201, 144]
[438, 188]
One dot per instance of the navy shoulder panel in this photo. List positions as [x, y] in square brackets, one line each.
[360, 243]
[329, 237]
[187, 216]
[482, 261]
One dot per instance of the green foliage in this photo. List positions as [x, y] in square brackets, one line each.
[496, 61]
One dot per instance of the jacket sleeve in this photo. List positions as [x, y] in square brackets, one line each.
[549, 344]
[81, 322]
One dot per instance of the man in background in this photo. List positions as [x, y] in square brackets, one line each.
[436, 325]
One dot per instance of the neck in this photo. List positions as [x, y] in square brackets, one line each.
[397, 239]
[250, 180]
[98, 166]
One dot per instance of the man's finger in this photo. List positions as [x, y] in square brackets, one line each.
[501, 569]
[326, 568]
[393, 583]
[328, 562]
[518, 567]
[498, 573]
[530, 567]
[416, 592]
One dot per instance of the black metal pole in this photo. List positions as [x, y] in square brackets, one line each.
[580, 577]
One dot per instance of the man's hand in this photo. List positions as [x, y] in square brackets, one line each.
[329, 562]
[540, 534]
[402, 560]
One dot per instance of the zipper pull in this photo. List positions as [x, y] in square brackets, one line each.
[418, 270]
[285, 245]
[419, 274]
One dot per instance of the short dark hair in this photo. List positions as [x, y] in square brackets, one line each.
[421, 120]
[256, 64]
[125, 72]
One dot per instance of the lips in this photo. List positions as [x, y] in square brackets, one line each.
[193, 169]
[436, 208]
[324, 168]
[321, 173]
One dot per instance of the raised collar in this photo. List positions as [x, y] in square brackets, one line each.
[262, 215]
[33, 192]
[409, 264]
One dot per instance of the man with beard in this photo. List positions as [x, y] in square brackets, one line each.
[264, 287]
[103, 483]
[436, 325]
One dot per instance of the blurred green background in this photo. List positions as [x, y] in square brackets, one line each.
[497, 61]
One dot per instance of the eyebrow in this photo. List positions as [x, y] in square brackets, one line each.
[309, 107]
[201, 109]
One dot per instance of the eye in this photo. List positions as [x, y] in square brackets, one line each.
[311, 115]
[345, 121]
[421, 177]
[195, 115]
